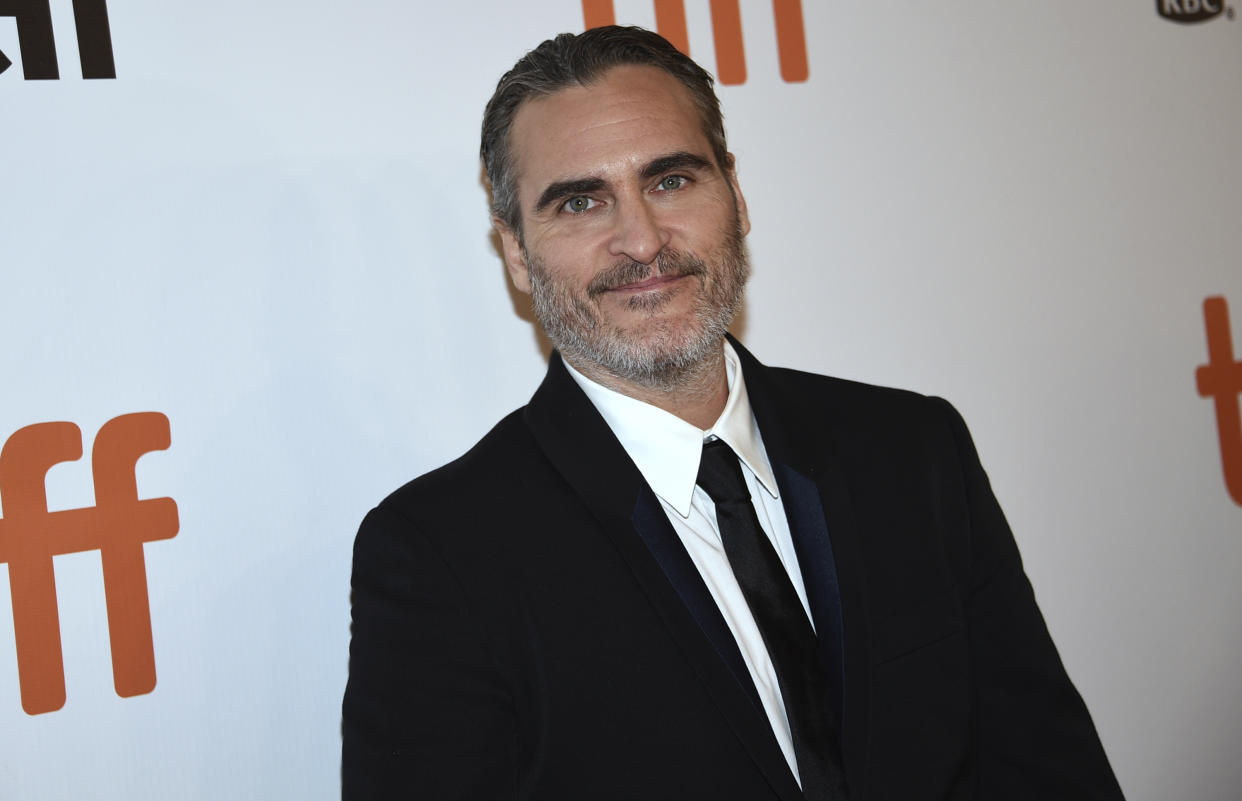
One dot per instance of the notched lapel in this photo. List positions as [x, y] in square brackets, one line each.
[578, 442]
[807, 525]
[810, 472]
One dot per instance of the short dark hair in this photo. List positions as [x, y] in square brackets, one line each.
[580, 59]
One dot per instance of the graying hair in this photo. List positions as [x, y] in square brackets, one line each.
[580, 59]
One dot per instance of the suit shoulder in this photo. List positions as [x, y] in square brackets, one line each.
[841, 398]
[487, 469]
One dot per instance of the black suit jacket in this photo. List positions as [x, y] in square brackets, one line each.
[526, 623]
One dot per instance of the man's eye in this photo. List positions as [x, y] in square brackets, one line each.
[578, 204]
[672, 182]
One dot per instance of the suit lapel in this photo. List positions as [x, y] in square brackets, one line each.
[588, 456]
[807, 525]
[657, 533]
[808, 468]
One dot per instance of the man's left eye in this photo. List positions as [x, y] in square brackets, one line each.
[578, 204]
[672, 182]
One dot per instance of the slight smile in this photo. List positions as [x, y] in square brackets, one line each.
[655, 282]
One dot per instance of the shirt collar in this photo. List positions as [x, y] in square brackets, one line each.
[666, 449]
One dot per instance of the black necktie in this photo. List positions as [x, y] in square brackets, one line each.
[782, 621]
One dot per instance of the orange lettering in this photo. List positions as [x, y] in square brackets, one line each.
[117, 526]
[671, 23]
[791, 40]
[1221, 380]
[726, 34]
[598, 13]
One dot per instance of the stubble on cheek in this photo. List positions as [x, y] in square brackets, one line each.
[652, 351]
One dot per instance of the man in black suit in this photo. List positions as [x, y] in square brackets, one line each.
[677, 573]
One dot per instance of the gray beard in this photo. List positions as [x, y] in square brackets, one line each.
[661, 358]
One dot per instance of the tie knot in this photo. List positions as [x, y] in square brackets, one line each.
[720, 475]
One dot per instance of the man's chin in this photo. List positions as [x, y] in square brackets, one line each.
[658, 359]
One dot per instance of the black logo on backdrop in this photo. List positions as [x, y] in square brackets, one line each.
[1188, 11]
[38, 44]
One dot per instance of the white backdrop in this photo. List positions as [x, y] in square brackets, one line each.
[270, 227]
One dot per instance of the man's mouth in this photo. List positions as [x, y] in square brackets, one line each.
[654, 282]
[633, 277]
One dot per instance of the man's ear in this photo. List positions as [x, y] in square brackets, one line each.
[514, 255]
[743, 218]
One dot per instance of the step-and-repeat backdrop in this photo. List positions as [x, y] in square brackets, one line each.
[248, 287]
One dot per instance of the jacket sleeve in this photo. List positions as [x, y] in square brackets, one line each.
[1034, 735]
[427, 713]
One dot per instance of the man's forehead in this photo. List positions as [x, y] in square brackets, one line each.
[625, 112]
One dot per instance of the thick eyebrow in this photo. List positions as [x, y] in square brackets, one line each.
[673, 162]
[580, 186]
[560, 189]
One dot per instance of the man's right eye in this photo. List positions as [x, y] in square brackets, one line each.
[578, 204]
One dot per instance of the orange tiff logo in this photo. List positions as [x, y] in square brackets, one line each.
[1221, 380]
[726, 33]
[116, 526]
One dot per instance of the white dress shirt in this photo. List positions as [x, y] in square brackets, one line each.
[666, 450]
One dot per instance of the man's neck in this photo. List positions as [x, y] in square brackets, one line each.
[698, 396]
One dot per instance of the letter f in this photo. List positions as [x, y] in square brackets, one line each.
[26, 543]
[1221, 380]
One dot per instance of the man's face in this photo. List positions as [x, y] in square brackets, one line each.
[631, 233]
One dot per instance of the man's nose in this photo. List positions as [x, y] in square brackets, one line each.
[638, 232]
